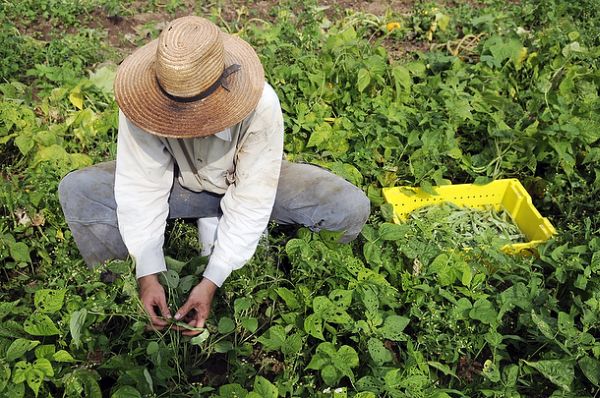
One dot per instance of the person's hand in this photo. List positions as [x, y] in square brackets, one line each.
[197, 306]
[153, 296]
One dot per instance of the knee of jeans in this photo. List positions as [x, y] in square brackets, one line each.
[358, 210]
[69, 193]
[347, 213]
[74, 193]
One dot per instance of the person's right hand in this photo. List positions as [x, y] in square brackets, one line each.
[153, 297]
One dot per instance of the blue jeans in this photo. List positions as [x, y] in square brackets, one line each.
[307, 195]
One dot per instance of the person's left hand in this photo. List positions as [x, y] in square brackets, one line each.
[199, 301]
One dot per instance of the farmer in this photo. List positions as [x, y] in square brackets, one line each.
[200, 136]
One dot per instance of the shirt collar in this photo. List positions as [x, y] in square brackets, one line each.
[225, 135]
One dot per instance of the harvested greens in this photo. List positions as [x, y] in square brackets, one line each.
[464, 226]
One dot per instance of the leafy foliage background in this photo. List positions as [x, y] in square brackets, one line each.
[501, 89]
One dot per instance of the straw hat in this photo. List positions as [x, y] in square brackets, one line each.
[193, 81]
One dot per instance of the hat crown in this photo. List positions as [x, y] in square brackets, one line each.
[189, 57]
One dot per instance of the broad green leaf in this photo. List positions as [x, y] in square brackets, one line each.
[313, 325]
[53, 153]
[566, 325]
[503, 49]
[289, 297]
[126, 392]
[223, 346]
[78, 161]
[293, 345]
[201, 338]
[4, 375]
[152, 348]
[543, 326]
[483, 311]
[40, 325]
[378, 352]
[321, 306]
[339, 316]
[24, 142]
[83, 382]
[274, 338]
[516, 295]
[76, 324]
[15, 391]
[330, 375]
[459, 109]
[363, 80]
[250, 324]
[45, 351]
[511, 375]
[76, 97]
[573, 48]
[318, 361]
[320, 136]
[590, 368]
[49, 301]
[232, 390]
[19, 347]
[20, 371]
[242, 304]
[559, 372]
[402, 80]
[327, 349]
[346, 358]
[44, 366]
[264, 388]
[35, 378]
[63, 356]
[389, 231]
[226, 325]
[104, 78]
[393, 326]
[6, 308]
[19, 252]
[372, 252]
[444, 268]
[341, 298]
[174, 264]
[187, 283]
[347, 172]
[442, 21]
[170, 279]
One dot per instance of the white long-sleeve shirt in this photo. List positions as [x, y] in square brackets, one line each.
[241, 162]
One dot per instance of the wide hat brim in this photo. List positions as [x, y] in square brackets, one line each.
[143, 101]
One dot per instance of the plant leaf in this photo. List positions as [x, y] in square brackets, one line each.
[19, 347]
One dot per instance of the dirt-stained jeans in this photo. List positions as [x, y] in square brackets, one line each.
[306, 195]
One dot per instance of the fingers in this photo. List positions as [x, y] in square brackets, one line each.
[182, 312]
[154, 318]
[198, 323]
[164, 308]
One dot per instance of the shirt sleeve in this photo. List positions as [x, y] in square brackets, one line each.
[143, 180]
[248, 202]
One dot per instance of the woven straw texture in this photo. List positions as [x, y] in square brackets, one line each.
[142, 100]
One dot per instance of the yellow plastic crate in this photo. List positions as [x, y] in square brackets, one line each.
[507, 194]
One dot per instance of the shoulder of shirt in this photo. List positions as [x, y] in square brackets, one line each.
[268, 100]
